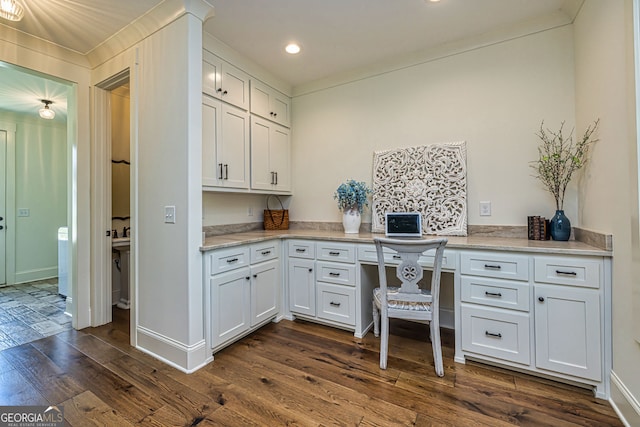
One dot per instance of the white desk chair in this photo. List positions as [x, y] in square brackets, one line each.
[408, 301]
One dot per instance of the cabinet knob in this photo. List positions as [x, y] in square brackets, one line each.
[255, 275]
[219, 89]
[225, 92]
[541, 299]
[310, 270]
[248, 278]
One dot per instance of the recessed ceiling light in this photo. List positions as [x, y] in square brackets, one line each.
[292, 48]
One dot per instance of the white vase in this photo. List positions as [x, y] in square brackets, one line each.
[351, 221]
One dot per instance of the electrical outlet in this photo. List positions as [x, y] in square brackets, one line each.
[170, 214]
[485, 208]
[23, 212]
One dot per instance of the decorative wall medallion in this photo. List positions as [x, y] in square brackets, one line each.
[430, 179]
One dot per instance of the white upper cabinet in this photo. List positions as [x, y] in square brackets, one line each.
[270, 104]
[270, 156]
[224, 81]
[225, 145]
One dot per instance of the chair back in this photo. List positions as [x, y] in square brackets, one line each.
[409, 271]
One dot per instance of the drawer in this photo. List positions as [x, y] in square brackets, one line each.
[337, 252]
[335, 272]
[496, 333]
[574, 271]
[229, 259]
[336, 303]
[367, 254]
[500, 265]
[265, 251]
[495, 292]
[301, 249]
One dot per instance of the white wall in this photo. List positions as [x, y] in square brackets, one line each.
[605, 89]
[227, 208]
[41, 187]
[169, 287]
[493, 97]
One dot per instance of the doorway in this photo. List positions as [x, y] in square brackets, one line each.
[115, 284]
[36, 182]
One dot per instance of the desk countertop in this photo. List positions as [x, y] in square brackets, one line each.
[455, 242]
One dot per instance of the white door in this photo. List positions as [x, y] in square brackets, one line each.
[3, 206]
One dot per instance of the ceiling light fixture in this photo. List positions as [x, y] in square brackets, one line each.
[11, 10]
[292, 48]
[46, 112]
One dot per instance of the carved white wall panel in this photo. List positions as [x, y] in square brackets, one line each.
[430, 179]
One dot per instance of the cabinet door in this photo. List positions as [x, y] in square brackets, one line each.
[211, 127]
[281, 107]
[270, 156]
[230, 305]
[567, 328]
[211, 76]
[233, 147]
[261, 176]
[265, 291]
[234, 86]
[280, 149]
[302, 294]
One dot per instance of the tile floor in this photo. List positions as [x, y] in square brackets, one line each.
[31, 311]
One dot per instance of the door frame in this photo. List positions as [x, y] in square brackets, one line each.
[10, 201]
[101, 202]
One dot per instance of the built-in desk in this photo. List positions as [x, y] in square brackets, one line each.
[542, 307]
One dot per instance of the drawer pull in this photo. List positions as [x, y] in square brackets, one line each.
[300, 250]
[232, 260]
[334, 304]
[266, 252]
[492, 266]
[334, 253]
[493, 294]
[397, 257]
[491, 334]
[332, 274]
[567, 273]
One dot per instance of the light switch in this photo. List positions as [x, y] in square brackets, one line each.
[170, 214]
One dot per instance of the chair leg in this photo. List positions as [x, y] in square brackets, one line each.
[437, 348]
[376, 320]
[384, 342]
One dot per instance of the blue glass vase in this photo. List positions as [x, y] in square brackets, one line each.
[560, 226]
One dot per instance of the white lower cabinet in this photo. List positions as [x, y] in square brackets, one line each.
[548, 318]
[322, 282]
[244, 290]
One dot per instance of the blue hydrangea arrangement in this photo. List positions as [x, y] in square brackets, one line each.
[352, 194]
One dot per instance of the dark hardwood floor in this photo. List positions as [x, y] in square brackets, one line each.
[289, 373]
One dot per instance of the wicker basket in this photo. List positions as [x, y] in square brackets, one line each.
[276, 219]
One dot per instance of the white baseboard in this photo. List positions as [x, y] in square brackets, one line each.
[624, 402]
[37, 274]
[186, 358]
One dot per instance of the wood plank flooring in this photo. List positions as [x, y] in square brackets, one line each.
[289, 373]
